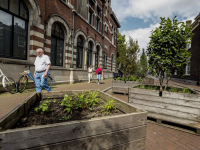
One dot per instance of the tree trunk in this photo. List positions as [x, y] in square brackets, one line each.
[167, 83]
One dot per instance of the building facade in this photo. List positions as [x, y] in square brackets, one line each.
[192, 69]
[73, 33]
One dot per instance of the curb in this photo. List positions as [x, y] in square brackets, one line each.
[105, 90]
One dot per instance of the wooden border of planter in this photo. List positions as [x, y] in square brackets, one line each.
[113, 132]
[178, 108]
[122, 86]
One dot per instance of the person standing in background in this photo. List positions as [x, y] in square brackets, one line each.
[90, 73]
[42, 66]
[99, 73]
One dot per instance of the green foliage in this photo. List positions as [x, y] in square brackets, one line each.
[44, 107]
[109, 105]
[139, 79]
[127, 55]
[186, 90]
[167, 48]
[152, 88]
[68, 103]
[81, 101]
[142, 86]
[131, 78]
[142, 64]
[66, 117]
[173, 89]
[93, 99]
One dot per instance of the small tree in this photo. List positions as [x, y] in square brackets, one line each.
[167, 48]
[142, 64]
[127, 56]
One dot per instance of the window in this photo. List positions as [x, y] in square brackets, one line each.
[104, 61]
[113, 35]
[90, 14]
[97, 24]
[57, 45]
[187, 68]
[188, 45]
[89, 54]
[175, 73]
[79, 53]
[98, 11]
[91, 3]
[112, 62]
[13, 29]
[97, 58]
[106, 28]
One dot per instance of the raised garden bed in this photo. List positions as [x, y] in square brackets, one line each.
[126, 129]
[122, 86]
[176, 108]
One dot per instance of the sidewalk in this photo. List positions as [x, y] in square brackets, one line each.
[10, 101]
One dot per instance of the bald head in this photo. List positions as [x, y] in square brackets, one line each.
[40, 52]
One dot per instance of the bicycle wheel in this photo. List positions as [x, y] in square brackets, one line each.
[22, 83]
[49, 81]
[9, 84]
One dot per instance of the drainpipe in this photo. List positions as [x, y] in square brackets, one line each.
[72, 63]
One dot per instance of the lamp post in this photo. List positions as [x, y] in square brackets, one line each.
[73, 13]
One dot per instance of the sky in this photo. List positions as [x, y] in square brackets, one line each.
[139, 17]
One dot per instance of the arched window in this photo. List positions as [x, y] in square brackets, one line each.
[97, 57]
[79, 53]
[13, 29]
[57, 45]
[89, 54]
[112, 62]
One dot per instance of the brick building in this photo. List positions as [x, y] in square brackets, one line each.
[74, 33]
[192, 69]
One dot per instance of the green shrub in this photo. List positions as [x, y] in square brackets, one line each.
[142, 86]
[44, 107]
[93, 99]
[68, 103]
[109, 105]
[173, 89]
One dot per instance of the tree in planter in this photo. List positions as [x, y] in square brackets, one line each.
[167, 48]
[127, 56]
[142, 64]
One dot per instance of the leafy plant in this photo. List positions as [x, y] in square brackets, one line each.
[81, 101]
[140, 79]
[109, 105]
[93, 99]
[173, 89]
[186, 90]
[66, 117]
[54, 100]
[68, 104]
[142, 86]
[44, 107]
[152, 88]
[133, 78]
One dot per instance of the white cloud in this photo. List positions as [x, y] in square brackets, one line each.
[154, 9]
[141, 34]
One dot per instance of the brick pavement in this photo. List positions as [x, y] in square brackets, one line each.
[10, 101]
[164, 138]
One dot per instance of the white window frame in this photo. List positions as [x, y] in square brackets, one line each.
[188, 67]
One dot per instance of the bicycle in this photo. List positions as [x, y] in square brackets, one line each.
[23, 80]
[8, 83]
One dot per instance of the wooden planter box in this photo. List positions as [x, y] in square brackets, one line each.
[122, 86]
[179, 108]
[127, 131]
